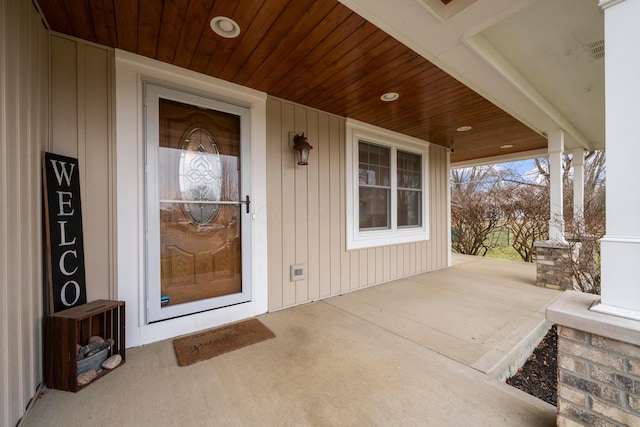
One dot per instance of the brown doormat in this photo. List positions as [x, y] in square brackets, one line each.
[207, 344]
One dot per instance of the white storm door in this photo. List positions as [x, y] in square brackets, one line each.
[197, 203]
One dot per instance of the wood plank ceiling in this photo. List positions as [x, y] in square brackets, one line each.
[313, 52]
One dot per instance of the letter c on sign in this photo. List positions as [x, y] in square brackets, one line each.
[63, 292]
[63, 268]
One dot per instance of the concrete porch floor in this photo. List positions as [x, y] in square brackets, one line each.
[425, 350]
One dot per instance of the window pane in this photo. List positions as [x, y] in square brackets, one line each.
[374, 164]
[374, 157]
[403, 180]
[409, 170]
[385, 177]
[363, 148]
[401, 161]
[374, 207]
[409, 208]
[374, 173]
[384, 153]
[362, 174]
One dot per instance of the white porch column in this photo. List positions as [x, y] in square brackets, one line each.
[621, 244]
[578, 182]
[610, 331]
[556, 219]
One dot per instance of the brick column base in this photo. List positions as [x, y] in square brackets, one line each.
[598, 364]
[551, 255]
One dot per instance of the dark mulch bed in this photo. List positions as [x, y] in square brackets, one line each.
[538, 376]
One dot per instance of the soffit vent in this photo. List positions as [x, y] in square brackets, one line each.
[596, 49]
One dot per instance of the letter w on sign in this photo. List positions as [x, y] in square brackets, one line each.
[63, 243]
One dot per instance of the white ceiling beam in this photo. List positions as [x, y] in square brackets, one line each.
[492, 57]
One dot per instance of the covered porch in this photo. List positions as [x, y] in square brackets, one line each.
[427, 349]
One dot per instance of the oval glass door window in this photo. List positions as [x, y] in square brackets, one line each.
[200, 175]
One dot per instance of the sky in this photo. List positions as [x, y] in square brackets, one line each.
[525, 168]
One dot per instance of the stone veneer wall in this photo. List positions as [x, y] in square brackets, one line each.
[598, 380]
[549, 258]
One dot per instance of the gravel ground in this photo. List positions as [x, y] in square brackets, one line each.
[538, 376]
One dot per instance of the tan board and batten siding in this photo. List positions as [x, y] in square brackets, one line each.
[24, 121]
[76, 123]
[307, 218]
[82, 127]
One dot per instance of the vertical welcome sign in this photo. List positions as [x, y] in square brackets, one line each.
[64, 248]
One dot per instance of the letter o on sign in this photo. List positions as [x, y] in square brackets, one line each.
[63, 293]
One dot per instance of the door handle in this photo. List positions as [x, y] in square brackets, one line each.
[246, 201]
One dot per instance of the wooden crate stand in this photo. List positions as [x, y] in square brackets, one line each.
[76, 325]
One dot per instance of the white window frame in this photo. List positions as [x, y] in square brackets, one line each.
[356, 238]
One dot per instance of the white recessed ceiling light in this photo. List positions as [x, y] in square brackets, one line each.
[390, 96]
[506, 146]
[225, 27]
[464, 128]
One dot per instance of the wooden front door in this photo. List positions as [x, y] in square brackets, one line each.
[198, 180]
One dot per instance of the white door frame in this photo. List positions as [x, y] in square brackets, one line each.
[128, 169]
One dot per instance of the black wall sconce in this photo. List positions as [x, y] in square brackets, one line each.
[302, 148]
